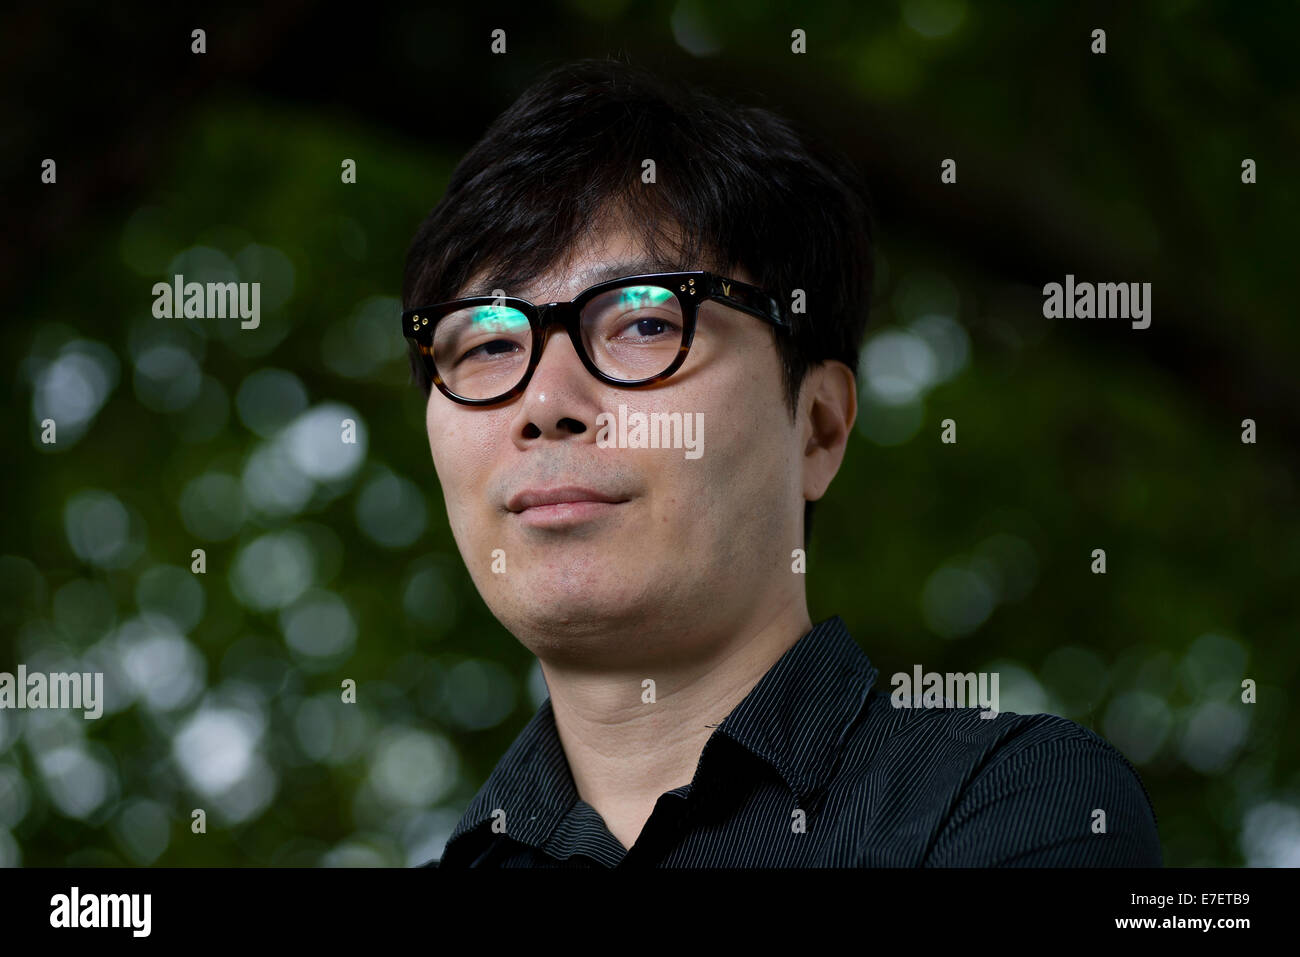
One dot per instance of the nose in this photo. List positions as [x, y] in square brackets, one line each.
[559, 399]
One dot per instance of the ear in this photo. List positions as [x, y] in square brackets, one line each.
[828, 409]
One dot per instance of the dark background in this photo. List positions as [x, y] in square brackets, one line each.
[327, 562]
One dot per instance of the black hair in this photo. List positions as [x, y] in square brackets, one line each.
[736, 186]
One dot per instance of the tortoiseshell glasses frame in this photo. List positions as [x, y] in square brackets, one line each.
[689, 288]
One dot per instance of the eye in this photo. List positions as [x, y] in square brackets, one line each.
[642, 314]
[479, 335]
[647, 327]
[496, 347]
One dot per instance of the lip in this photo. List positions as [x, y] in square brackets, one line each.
[531, 498]
[561, 507]
[564, 514]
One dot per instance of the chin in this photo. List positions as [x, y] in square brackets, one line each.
[549, 612]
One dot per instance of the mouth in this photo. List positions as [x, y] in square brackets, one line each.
[563, 506]
[563, 514]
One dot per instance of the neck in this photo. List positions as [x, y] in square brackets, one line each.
[625, 748]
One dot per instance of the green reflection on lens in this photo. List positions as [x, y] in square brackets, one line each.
[498, 318]
[641, 297]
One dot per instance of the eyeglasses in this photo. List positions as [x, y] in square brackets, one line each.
[628, 332]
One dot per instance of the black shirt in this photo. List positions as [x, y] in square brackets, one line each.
[814, 769]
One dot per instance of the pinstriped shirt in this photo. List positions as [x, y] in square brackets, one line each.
[815, 768]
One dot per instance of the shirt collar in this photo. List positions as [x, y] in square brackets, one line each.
[795, 719]
[531, 784]
[798, 714]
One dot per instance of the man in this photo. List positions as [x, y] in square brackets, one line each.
[711, 268]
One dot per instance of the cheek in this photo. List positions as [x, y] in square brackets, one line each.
[463, 451]
[718, 493]
[439, 439]
[446, 441]
[447, 445]
[746, 451]
[750, 468]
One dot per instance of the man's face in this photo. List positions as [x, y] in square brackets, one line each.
[689, 543]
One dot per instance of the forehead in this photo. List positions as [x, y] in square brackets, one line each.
[614, 254]
[610, 254]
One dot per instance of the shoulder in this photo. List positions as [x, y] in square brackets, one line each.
[966, 742]
[1031, 790]
[1011, 789]
[978, 739]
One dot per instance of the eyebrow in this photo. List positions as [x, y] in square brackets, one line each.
[586, 278]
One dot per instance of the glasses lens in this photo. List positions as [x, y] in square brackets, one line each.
[482, 352]
[634, 332]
